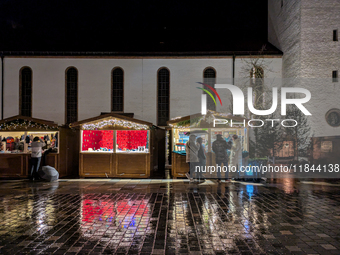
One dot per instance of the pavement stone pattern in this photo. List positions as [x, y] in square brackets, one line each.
[168, 217]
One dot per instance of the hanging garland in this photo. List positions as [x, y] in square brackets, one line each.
[24, 124]
[190, 122]
[115, 122]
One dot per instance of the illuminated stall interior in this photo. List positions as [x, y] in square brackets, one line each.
[113, 145]
[202, 126]
[16, 135]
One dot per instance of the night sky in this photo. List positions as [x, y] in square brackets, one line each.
[130, 25]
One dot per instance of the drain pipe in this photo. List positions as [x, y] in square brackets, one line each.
[2, 86]
[234, 69]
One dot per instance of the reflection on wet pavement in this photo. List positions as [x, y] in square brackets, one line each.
[168, 217]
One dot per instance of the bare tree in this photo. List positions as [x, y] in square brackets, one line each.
[300, 133]
[269, 138]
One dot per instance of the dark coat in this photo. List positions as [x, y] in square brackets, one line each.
[201, 153]
[220, 147]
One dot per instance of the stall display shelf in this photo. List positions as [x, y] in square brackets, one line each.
[114, 145]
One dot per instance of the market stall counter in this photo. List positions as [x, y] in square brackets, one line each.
[207, 128]
[113, 145]
[16, 134]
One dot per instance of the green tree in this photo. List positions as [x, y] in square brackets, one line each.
[269, 138]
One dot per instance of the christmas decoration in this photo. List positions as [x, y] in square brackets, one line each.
[114, 122]
[97, 140]
[24, 124]
[131, 139]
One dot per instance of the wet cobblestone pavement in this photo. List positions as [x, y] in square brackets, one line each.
[168, 217]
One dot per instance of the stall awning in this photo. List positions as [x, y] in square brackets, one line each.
[111, 120]
[23, 123]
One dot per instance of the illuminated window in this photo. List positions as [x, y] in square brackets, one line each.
[335, 35]
[71, 95]
[209, 77]
[97, 140]
[26, 92]
[163, 96]
[117, 90]
[132, 141]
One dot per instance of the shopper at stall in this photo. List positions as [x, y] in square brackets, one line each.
[3, 143]
[235, 153]
[201, 157]
[37, 151]
[220, 147]
[191, 149]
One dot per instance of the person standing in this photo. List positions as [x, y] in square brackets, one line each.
[191, 150]
[235, 153]
[220, 147]
[201, 157]
[36, 154]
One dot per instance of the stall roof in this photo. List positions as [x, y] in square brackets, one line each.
[199, 115]
[21, 123]
[109, 116]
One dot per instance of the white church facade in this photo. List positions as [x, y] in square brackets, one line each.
[115, 84]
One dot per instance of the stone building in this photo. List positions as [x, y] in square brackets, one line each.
[307, 33]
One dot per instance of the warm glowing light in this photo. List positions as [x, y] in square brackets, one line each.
[114, 122]
[23, 124]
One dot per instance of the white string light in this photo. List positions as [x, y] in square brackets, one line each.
[16, 124]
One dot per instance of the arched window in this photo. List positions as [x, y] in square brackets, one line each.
[256, 81]
[117, 93]
[209, 77]
[25, 107]
[71, 95]
[163, 96]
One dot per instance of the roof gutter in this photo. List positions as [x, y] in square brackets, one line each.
[138, 53]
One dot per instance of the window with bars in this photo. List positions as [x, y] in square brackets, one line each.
[209, 77]
[26, 92]
[163, 96]
[117, 90]
[71, 95]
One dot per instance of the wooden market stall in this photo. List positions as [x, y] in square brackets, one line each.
[203, 126]
[113, 145]
[17, 134]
